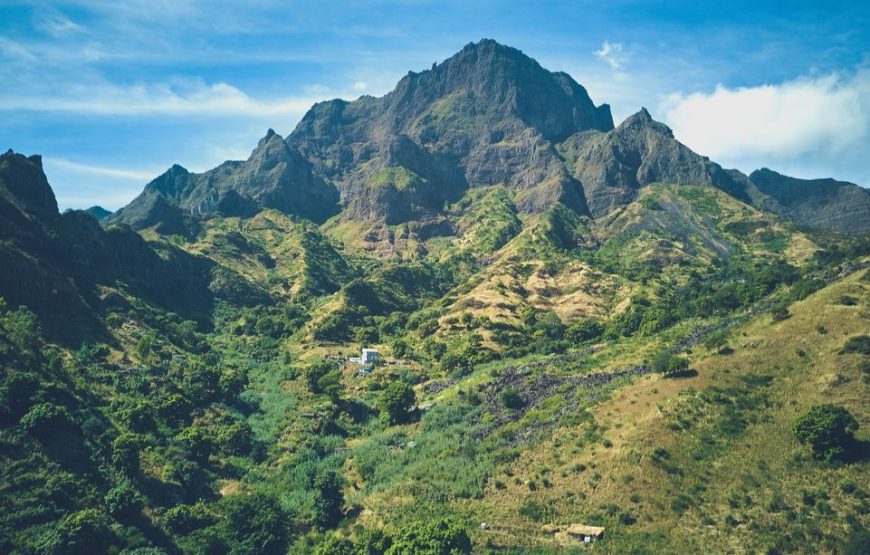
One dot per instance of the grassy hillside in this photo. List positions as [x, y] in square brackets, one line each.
[519, 391]
[709, 463]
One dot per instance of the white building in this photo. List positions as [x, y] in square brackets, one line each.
[369, 356]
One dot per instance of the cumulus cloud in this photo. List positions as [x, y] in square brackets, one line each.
[611, 52]
[360, 86]
[826, 115]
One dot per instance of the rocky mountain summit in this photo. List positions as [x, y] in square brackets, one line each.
[489, 116]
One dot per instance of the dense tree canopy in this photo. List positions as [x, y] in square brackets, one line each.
[828, 430]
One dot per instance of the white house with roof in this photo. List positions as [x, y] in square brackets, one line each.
[368, 357]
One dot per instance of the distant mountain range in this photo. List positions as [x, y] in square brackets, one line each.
[487, 116]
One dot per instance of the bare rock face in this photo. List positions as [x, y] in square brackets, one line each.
[54, 263]
[821, 203]
[613, 166]
[275, 176]
[22, 180]
[487, 116]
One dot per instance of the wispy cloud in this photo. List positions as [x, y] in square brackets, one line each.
[87, 169]
[56, 24]
[185, 98]
[611, 52]
[15, 51]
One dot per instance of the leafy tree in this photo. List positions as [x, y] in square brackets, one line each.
[123, 501]
[584, 330]
[779, 313]
[184, 519]
[125, 453]
[396, 402]
[329, 499]
[174, 409]
[87, 531]
[669, 364]
[828, 430]
[137, 415]
[198, 441]
[372, 541]
[17, 393]
[254, 524]
[201, 383]
[190, 475]
[46, 420]
[22, 328]
[235, 439]
[438, 537]
[334, 545]
[316, 372]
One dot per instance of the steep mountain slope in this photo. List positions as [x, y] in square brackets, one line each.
[488, 115]
[69, 270]
[821, 203]
[275, 176]
[613, 166]
[707, 463]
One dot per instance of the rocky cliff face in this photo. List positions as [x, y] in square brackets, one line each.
[821, 203]
[61, 265]
[487, 116]
[275, 176]
[613, 166]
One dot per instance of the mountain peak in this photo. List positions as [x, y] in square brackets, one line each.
[24, 179]
[643, 120]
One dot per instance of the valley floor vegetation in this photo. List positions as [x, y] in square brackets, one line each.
[697, 383]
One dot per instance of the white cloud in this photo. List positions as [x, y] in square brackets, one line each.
[15, 51]
[360, 86]
[86, 169]
[828, 115]
[611, 52]
[192, 99]
[57, 24]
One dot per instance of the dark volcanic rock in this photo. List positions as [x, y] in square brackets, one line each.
[820, 203]
[487, 116]
[61, 266]
[24, 183]
[275, 176]
[613, 166]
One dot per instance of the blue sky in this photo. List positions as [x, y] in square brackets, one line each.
[112, 93]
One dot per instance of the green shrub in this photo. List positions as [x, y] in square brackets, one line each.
[828, 429]
[858, 344]
[510, 399]
[396, 402]
[254, 524]
[334, 545]
[438, 537]
[329, 499]
[123, 501]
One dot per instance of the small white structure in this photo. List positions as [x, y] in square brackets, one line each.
[369, 356]
[586, 534]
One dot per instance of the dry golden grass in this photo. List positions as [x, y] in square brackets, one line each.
[637, 420]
